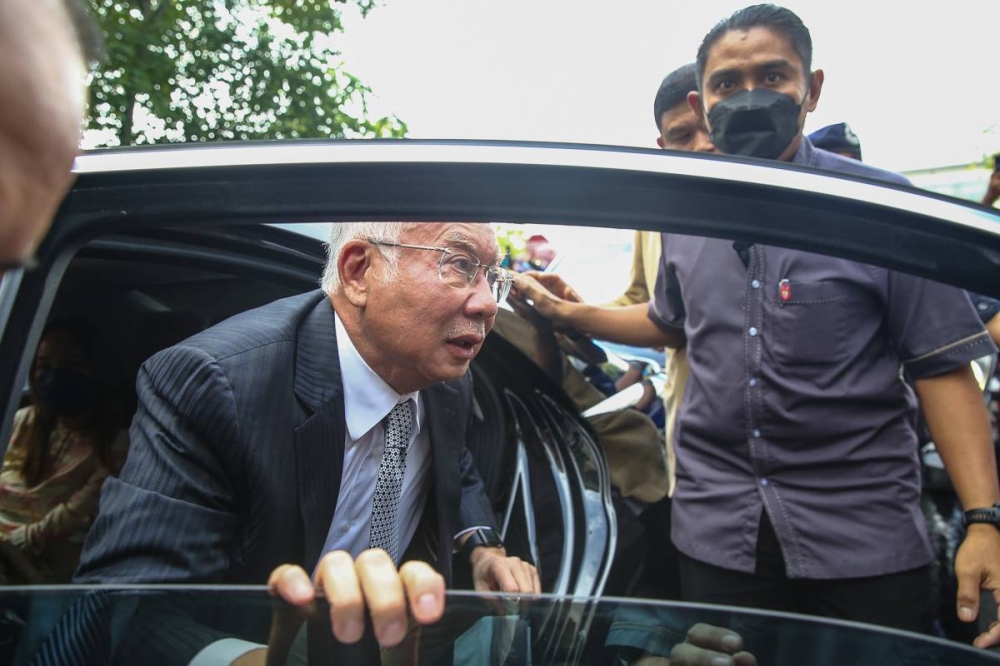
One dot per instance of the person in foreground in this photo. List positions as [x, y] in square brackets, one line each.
[47, 47]
[798, 480]
[321, 436]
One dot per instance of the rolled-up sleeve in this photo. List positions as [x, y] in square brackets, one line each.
[934, 327]
[666, 307]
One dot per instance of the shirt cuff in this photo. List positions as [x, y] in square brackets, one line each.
[223, 652]
[951, 357]
[654, 316]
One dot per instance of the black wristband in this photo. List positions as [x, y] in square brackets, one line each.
[989, 515]
[482, 537]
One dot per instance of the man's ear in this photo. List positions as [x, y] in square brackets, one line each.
[355, 268]
[659, 141]
[815, 88]
[694, 101]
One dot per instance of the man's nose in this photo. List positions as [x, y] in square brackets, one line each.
[481, 302]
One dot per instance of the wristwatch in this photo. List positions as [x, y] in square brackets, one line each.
[989, 515]
[482, 537]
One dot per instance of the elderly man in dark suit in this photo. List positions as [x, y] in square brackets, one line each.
[322, 433]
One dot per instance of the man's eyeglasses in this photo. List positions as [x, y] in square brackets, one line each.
[459, 270]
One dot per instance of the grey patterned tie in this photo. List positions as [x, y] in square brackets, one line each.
[385, 529]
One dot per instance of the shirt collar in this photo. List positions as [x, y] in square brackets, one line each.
[367, 397]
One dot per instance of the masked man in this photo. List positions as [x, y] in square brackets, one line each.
[798, 481]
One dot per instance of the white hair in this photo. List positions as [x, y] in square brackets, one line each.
[342, 234]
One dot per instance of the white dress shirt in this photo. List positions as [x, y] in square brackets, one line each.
[367, 401]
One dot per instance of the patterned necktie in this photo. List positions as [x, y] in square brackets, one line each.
[385, 529]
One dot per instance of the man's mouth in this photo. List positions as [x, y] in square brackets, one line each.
[465, 346]
[467, 341]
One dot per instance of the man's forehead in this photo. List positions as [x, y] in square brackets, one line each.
[680, 115]
[749, 48]
[477, 238]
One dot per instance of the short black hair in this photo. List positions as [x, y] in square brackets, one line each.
[780, 20]
[88, 33]
[674, 90]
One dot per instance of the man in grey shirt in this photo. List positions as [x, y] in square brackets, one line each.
[797, 473]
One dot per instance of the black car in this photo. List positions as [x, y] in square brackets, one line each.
[152, 245]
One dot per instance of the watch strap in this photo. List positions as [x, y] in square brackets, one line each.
[482, 537]
[990, 515]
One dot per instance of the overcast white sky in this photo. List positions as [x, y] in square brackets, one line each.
[918, 81]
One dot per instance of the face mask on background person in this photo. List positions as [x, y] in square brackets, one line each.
[754, 123]
[66, 393]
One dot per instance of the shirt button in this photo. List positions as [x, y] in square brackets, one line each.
[764, 482]
[756, 433]
[755, 284]
[753, 381]
[753, 331]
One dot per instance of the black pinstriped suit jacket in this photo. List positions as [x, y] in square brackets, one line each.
[236, 456]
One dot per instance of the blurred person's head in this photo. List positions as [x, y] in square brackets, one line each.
[755, 84]
[838, 138]
[417, 300]
[67, 387]
[540, 252]
[64, 378]
[46, 47]
[679, 127]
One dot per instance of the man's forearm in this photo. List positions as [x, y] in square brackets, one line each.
[956, 415]
[628, 325]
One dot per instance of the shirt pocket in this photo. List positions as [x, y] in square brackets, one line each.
[809, 323]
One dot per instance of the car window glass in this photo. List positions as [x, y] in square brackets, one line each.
[566, 492]
[495, 631]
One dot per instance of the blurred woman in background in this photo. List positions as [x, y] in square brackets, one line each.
[62, 447]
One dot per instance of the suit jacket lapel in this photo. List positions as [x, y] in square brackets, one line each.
[319, 440]
[447, 438]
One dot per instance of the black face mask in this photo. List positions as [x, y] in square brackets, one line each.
[66, 393]
[754, 123]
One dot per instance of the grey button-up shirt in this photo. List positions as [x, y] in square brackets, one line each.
[796, 403]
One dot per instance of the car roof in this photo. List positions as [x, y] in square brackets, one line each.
[707, 195]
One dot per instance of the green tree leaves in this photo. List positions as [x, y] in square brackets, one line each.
[208, 70]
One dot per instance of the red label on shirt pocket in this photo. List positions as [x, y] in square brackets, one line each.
[785, 291]
[809, 326]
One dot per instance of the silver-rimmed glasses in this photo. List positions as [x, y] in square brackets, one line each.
[458, 269]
